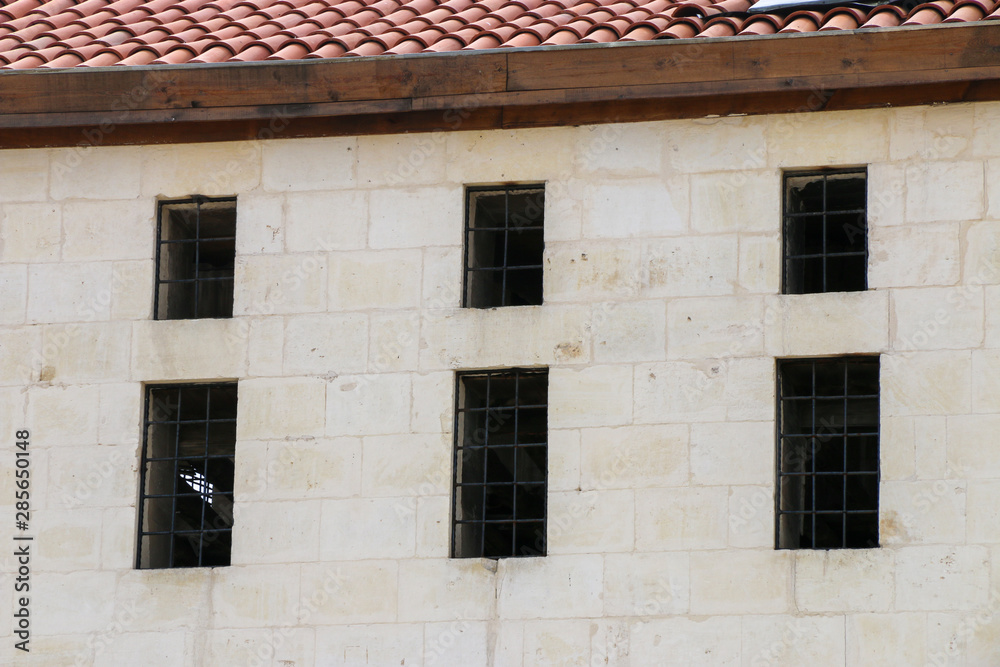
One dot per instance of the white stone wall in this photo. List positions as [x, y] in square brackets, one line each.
[661, 323]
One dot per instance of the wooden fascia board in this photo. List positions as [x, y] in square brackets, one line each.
[525, 87]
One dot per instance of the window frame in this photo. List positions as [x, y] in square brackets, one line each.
[161, 209]
[146, 459]
[816, 433]
[459, 458]
[468, 230]
[786, 217]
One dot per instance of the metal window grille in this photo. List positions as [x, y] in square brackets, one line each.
[825, 232]
[503, 246]
[195, 256]
[186, 486]
[501, 452]
[828, 453]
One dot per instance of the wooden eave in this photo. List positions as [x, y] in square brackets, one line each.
[509, 88]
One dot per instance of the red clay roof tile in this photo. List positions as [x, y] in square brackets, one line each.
[70, 33]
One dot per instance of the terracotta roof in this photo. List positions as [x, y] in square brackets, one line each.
[88, 33]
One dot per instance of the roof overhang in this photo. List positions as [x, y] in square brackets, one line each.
[511, 88]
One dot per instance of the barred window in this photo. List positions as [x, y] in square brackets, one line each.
[186, 495]
[501, 474]
[195, 257]
[825, 232]
[828, 453]
[503, 246]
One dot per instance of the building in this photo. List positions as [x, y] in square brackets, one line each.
[669, 342]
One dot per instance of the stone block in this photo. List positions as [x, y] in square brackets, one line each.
[265, 345]
[281, 408]
[90, 352]
[457, 643]
[646, 584]
[930, 447]
[353, 645]
[342, 593]
[13, 293]
[252, 596]
[682, 518]
[741, 582]
[632, 457]
[166, 600]
[442, 277]
[914, 256]
[826, 324]
[269, 284]
[874, 640]
[21, 358]
[937, 318]
[631, 331]
[751, 517]
[188, 349]
[211, 169]
[120, 413]
[760, 263]
[685, 642]
[897, 449]
[983, 526]
[260, 224]
[992, 193]
[886, 195]
[590, 521]
[396, 160]
[394, 341]
[503, 156]
[729, 453]
[325, 344]
[835, 138]
[69, 540]
[63, 415]
[564, 457]
[635, 208]
[547, 587]
[366, 528]
[717, 144]
[31, 232]
[678, 392]
[981, 264]
[970, 450]
[985, 380]
[234, 647]
[24, 175]
[77, 600]
[931, 133]
[104, 230]
[593, 396]
[368, 404]
[440, 589]
[433, 409]
[433, 526]
[416, 217]
[118, 539]
[69, 292]
[713, 328]
[406, 465]
[792, 641]
[922, 512]
[633, 150]
[90, 476]
[320, 468]
[926, 383]
[588, 272]
[100, 173]
[743, 201]
[844, 580]
[367, 280]
[556, 643]
[942, 578]
[132, 289]
[690, 266]
[326, 221]
[944, 190]
[309, 164]
[276, 532]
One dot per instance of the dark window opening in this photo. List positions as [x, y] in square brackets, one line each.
[828, 453]
[195, 254]
[825, 232]
[503, 246]
[501, 464]
[186, 499]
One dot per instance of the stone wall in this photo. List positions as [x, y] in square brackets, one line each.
[661, 323]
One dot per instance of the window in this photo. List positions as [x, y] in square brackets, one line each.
[501, 451]
[195, 253]
[828, 453]
[825, 232]
[186, 492]
[503, 246]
